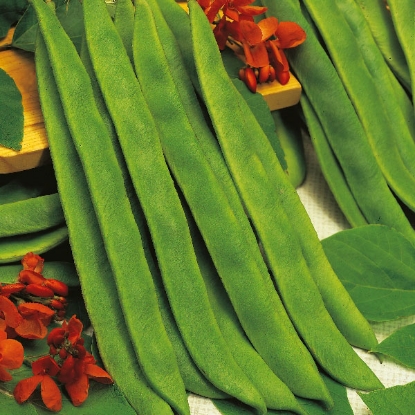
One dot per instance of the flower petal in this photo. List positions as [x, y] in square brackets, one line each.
[78, 390]
[5, 376]
[11, 314]
[33, 262]
[98, 374]
[289, 35]
[45, 365]
[26, 387]
[32, 329]
[11, 353]
[74, 329]
[251, 32]
[256, 56]
[268, 27]
[51, 394]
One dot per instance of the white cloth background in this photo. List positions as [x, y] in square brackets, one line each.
[327, 220]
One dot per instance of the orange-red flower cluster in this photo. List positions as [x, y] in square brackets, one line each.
[68, 363]
[262, 43]
[28, 306]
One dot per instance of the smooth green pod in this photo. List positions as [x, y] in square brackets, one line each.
[121, 236]
[124, 22]
[90, 257]
[367, 184]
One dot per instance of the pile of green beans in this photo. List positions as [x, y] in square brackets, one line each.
[199, 266]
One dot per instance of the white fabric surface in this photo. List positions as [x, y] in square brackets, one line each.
[327, 220]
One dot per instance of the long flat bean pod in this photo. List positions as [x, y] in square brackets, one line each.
[367, 184]
[330, 168]
[117, 223]
[124, 22]
[158, 197]
[380, 22]
[260, 178]
[30, 215]
[241, 275]
[88, 250]
[358, 78]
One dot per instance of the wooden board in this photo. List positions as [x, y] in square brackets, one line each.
[20, 66]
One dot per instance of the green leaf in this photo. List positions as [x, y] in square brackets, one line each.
[69, 14]
[6, 21]
[376, 264]
[397, 400]
[400, 346]
[11, 107]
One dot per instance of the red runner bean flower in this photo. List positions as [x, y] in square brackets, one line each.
[11, 356]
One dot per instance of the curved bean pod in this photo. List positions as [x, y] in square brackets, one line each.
[95, 274]
[121, 236]
[260, 178]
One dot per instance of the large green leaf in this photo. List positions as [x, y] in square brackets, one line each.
[10, 13]
[11, 119]
[376, 264]
[397, 400]
[400, 346]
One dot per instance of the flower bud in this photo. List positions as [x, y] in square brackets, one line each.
[58, 287]
[250, 79]
[39, 290]
[28, 276]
